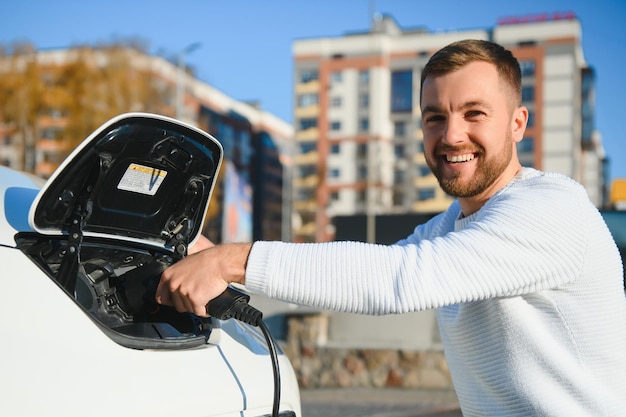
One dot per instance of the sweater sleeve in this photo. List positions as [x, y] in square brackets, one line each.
[527, 238]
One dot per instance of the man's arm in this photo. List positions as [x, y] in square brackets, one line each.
[191, 283]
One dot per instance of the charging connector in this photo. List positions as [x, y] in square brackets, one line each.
[233, 303]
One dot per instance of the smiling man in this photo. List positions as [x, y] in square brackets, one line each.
[521, 269]
[472, 121]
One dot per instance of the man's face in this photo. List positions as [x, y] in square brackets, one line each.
[470, 131]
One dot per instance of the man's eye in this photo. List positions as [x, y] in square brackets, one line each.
[434, 119]
[473, 113]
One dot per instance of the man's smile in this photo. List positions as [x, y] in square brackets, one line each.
[459, 158]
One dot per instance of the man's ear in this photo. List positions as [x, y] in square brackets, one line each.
[518, 123]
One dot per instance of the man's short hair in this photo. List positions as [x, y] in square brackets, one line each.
[458, 54]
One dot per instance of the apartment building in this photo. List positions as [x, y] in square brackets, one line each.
[358, 123]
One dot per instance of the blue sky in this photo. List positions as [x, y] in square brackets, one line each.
[245, 45]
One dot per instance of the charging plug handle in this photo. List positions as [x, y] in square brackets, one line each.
[233, 303]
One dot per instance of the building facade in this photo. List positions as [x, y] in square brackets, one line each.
[358, 123]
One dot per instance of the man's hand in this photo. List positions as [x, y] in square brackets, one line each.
[202, 243]
[191, 283]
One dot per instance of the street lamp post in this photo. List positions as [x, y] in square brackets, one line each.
[180, 80]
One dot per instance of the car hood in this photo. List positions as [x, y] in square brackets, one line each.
[139, 177]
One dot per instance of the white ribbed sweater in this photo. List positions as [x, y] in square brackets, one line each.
[528, 293]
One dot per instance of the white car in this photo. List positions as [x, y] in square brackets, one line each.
[81, 258]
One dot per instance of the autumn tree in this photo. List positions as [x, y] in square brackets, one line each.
[21, 98]
[84, 89]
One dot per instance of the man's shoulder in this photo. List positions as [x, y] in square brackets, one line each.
[554, 181]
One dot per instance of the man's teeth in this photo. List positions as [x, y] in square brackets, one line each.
[460, 158]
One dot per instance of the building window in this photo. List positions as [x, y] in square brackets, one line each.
[334, 196]
[307, 123]
[361, 149]
[335, 148]
[528, 93]
[528, 68]
[306, 100]
[335, 101]
[307, 170]
[335, 77]
[531, 119]
[398, 198]
[364, 77]
[51, 133]
[425, 194]
[402, 91]
[399, 129]
[526, 145]
[362, 173]
[364, 100]
[308, 75]
[423, 171]
[334, 173]
[364, 124]
[398, 151]
[398, 176]
[335, 125]
[305, 194]
[306, 147]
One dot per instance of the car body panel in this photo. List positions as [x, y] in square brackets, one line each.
[59, 360]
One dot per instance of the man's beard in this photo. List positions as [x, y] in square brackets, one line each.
[486, 173]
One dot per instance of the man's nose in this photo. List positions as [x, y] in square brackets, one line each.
[454, 131]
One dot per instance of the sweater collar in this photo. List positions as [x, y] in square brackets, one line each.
[461, 221]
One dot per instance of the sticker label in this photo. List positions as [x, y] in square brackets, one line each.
[142, 179]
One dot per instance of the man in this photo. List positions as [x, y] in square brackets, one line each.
[521, 268]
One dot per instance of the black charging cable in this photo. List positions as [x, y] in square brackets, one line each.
[234, 304]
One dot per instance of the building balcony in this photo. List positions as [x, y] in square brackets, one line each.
[419, 158]
[308, 229]
[427, 181]
[308, 135]
[308, 158]
[54, 146]
[47, 121]
[434, 205]
[45, 169]
[305, 205]
[307, 112]
[308, 87]
[310, 181]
